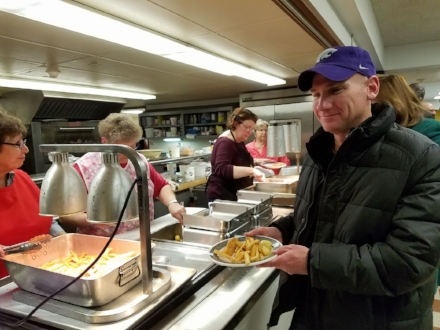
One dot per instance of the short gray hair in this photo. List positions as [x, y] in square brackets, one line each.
[260, 123]
[119, 126]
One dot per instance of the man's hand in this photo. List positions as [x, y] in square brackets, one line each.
[176, 210]
[266, 231]
[2, 253]
[291, 258]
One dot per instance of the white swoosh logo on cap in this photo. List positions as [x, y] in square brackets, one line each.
[361, 67]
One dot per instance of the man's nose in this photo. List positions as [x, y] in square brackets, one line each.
[323, 103]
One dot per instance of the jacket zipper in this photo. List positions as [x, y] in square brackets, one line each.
[305, 220]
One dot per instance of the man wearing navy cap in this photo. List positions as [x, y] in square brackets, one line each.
[361, 249]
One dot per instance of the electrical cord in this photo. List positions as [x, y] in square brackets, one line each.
[27, 317]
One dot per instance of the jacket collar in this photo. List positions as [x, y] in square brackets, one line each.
[360, 138]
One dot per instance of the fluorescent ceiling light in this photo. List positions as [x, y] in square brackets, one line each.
[172, 139]
[133, 111]
[56, 87]
[437, 97]
[78, 18]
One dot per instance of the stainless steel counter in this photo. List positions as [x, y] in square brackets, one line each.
[220, 303]
[212, 307]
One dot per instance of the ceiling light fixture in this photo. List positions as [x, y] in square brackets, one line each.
[132, 111]
[172, 139]
[81, 19]
[57, 87]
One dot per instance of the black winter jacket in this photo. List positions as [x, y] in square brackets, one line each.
[376, 226]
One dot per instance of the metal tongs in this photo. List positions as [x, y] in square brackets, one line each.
[31, 246]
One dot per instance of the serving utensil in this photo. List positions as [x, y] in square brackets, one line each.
[31, 246]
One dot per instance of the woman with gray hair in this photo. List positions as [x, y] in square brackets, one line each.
[119, 128]
[258, 147]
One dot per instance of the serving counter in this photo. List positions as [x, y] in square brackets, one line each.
[215, 298]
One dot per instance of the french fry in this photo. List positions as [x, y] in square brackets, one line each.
[254, 250]
[247, 260]
[223, 254]
[73, 265]
[249, 242]
[230, 246]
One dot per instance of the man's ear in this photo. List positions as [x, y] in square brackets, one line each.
[103, 140]
[373, 85]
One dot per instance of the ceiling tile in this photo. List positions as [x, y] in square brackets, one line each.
[11, 66]
[223, 15]
[266, 39]
[30, 52]
[73, 75]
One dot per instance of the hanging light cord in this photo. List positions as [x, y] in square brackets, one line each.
[24, 320]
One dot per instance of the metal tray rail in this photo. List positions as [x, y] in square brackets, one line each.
[126, 305]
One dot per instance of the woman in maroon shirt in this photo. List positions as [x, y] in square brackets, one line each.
[232, 165]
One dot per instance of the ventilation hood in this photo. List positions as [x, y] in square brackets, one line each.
[33, 105]
[272, 97]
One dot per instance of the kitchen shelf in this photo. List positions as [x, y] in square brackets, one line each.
[164, 137]
[202, 137]
[206, 124]
[177, 159]
[161, 126]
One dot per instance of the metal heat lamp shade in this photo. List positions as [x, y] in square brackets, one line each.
[108, 191]
[291, 137]
[275, 141]
[63, 191]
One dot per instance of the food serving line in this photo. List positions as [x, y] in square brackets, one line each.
[200, 294]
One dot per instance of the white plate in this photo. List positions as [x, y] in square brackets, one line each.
[274, 166]
[223, 262]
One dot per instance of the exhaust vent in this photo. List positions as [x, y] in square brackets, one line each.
[32, 105]
[52, 108]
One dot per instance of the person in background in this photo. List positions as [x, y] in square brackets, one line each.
[119, 128]
[419, 91]
[258, 147]
[363, 245]
[19, 195]
[231, 164]
[409, 109]
[430, 108]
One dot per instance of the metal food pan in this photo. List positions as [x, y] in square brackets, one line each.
[23, 269]
[261, 200]
[278, 186]
[223, 216]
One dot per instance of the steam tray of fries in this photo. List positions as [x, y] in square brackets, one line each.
[66, 256]
[241, 251]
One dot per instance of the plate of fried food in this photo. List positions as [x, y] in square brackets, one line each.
[241, 251]
[274, 166]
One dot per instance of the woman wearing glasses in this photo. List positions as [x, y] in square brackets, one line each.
[232, 165]
[19, 195]
[258, 147]
[119, 128]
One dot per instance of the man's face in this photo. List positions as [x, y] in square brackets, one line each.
[340, 106]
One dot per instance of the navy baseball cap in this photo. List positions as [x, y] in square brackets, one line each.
[338, 64]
